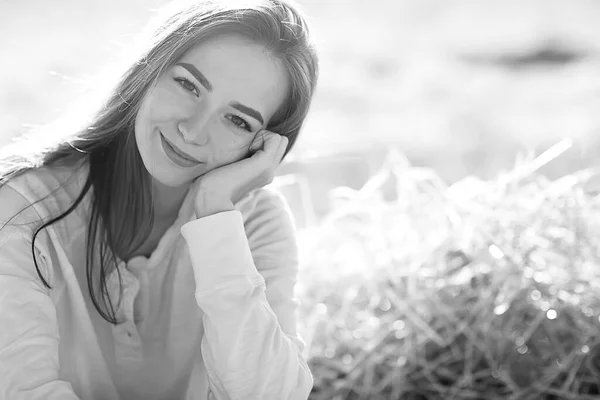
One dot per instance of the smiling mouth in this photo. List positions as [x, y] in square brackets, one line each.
[177, 151]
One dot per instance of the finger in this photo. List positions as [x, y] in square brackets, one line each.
[271, 142]
[282, 147]
[258, 141]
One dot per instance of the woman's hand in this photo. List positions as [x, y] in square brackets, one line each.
[219, 189]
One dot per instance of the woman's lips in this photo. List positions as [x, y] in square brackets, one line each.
[177, 156]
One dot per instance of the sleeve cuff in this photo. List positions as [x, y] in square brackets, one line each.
[220, 253]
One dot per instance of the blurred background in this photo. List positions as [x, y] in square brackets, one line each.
[459, 86]
[423, 274]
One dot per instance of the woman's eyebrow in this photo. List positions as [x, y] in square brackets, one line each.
[197, 74]
[247, 110]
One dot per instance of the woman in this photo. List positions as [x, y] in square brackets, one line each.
[141, 257]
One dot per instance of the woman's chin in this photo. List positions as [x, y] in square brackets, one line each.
[172, 178]
[176, 185]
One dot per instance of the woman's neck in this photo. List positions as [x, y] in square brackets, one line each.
[167, 199]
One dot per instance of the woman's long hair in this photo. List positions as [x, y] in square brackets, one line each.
[121, 212]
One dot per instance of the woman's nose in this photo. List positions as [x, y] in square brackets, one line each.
[195, 129]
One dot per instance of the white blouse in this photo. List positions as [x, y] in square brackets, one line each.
[211, 314]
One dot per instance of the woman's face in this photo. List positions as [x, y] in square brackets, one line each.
[206, 109]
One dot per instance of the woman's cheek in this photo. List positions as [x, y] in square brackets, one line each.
[235, 149]
[227, 155]
[165, 105]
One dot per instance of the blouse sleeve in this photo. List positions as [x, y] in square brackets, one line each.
[245, 277]
[29, 367]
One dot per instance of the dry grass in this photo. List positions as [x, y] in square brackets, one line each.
[482, 290]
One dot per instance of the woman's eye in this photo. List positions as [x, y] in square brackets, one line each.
[240, 122]
[187, 85]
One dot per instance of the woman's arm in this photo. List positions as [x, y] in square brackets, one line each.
[245, 286]
[29, 365]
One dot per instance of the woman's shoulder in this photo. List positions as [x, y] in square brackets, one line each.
[47, 189]
[267, 216]
[264, 202]
[15, 208]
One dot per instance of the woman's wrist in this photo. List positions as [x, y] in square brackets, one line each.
[209, 202]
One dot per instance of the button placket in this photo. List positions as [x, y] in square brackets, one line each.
[127, 341]
[142, 270]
